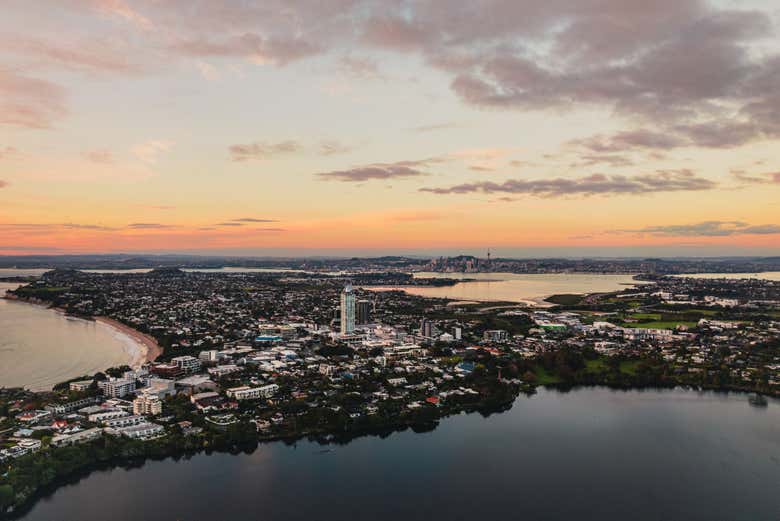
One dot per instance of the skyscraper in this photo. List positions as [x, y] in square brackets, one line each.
[363, 312]
[347, 310]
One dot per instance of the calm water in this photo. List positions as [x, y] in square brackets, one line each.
[40, 347]
[513, 287]
[588, 454]
[766, 275]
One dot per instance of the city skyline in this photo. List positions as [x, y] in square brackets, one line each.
[596, 128]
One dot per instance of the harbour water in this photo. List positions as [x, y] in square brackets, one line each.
[515, 287]
[40, 347]
[764, 275]
[591, 453]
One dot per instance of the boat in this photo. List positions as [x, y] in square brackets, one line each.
[758, 400]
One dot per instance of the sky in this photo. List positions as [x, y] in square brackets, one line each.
[530, 127]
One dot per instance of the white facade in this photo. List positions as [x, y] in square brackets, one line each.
[143, 430]
[252, 393]
[117, 387]
[189, 364]
[347, 310]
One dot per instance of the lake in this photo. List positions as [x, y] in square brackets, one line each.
[515, 287]
[40, 347]
[592, 453]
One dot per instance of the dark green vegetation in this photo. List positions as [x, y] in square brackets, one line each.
[566, 299]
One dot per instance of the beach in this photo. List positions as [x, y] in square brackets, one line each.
[149, 348]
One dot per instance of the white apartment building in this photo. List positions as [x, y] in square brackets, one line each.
[252, 393]
[117, 387]
[188, 364]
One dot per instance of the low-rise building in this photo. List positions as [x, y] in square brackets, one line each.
[252, 393]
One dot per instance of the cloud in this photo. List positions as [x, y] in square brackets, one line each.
[764, 178]
[255, 47]
[230, 224]
[100, 156]
[359, 67]
[94, 227]
[121, 9]
[254, 220]
[331, 148]
[398, 170]
[262, 150]
[596, 184]
[29, 102]
[149, 226]
[630, 140]
[50, 227]
[149, 151]
[708, 229]
[613, 160]
[82, 55]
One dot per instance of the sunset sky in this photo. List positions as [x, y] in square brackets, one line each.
[531, 127]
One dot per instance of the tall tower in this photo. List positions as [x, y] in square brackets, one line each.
[347, 310]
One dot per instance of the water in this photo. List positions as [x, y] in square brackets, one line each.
[40, 347]
[514, 287]
[588, 454]
[22, 272]
[765, 275]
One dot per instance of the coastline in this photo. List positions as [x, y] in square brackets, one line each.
[150, 349]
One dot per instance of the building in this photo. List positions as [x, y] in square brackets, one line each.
[426, 328]
[149, 404]
[143, 430]
[63, 440]
[209, 356]
[252, 393]
[363, 312]
[188, 364]
[161, 387]
[81, 385]
[64, 408]
[167, 371]
[124, 421]
[107, 415]
[496, 335]
[117, 387]
[347, 310]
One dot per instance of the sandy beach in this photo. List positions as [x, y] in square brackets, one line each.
[150, 349]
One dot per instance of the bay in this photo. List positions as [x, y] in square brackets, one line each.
[514, 287]
[40, 347]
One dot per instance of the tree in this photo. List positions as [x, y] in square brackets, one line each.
[6, 497]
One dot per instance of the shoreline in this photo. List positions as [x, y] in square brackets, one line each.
[150, 349]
